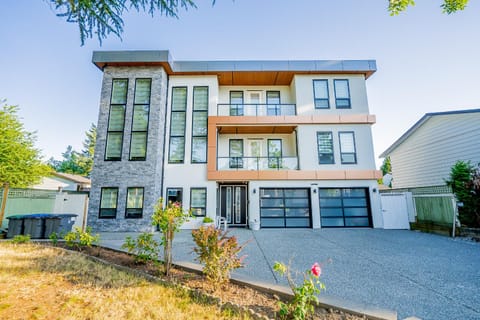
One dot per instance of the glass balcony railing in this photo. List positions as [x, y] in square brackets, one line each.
[256, 109]
[257, 163]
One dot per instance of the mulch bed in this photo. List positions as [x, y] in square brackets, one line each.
[259, 304]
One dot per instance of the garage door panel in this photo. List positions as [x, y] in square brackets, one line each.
[273, 223]
[298, 223]
[297, 212]
[298, 202]
[296, 193]
[272, 212]
[285, 207]
[344, 207]
[271, 202]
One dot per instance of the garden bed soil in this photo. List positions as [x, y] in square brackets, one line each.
[261, 303]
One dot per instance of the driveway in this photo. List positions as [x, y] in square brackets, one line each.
[416, 274]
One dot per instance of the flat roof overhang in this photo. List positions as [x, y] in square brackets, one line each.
[223, 129]
[271, 72]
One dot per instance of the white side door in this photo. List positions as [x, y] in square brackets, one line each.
[394, 211]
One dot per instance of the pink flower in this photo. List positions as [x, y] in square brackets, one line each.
[316, 270]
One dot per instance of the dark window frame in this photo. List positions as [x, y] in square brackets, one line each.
[204, 209]
[134, 216]
[184, 126]
[133, 119]
[318, 147]
[100, 209]
[284, 198]
[349, 99]
[236, 109]
[235, 162]
[342, 197]
[348, 153]
[193, 121]
[176, 189]
[278, 160]
[315, 99]
[106, 158]
[277, 107]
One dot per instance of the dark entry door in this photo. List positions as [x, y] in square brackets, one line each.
[233, 204]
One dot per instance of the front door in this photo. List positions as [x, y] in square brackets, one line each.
[233, 204]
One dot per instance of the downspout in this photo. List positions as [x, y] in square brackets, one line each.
[164, 137]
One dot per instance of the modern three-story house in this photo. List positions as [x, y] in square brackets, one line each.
[281, 144]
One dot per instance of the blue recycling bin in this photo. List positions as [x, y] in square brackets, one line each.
[34, 225]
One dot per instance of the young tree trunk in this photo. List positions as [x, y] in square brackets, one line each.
[168, 250]
[4, 202]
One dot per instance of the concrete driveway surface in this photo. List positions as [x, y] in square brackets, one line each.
[416, 274]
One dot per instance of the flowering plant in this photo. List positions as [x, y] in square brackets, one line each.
[304, 295]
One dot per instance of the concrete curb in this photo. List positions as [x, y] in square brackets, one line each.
[285, 293]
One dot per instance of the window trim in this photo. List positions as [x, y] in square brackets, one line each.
[279, 163]
[206, 200]
[173, 188]
[354, 147]
[199, 136]
[242, 104]
[133, 119]
[349, 96]
[126, 204]
[237, 158]
[318, 149]
[105, 158]
[170, 161]
[278, 107]
[100, 204]
[322, 99]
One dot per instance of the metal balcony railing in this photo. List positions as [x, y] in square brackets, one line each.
[253, 109]
[257, 163]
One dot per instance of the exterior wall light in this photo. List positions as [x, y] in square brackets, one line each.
[254, 190]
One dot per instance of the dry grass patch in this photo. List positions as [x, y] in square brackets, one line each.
[38, 282]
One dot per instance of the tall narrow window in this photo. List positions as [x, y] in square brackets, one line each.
[274, 153]
[199, 124]
[116, 120]
[177, 125]
[141, 108]
[320, 93]
[198, 201]
[273, 103]
[325, 147]
[108, 203]
[348, 153]
[342, 94]
[236, 153]
[236, 103]
[134, 203]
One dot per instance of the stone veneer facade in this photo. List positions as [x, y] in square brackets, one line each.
[125, 173]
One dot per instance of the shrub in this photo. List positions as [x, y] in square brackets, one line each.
[207, 220]
[168, 218]
[20, 238]
[144, 247]
[304, 296]
[218, 252]
[465, 183]
[53, 238]
[78, 238]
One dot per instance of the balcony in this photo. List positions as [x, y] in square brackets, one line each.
[253, 109]
[257, 163]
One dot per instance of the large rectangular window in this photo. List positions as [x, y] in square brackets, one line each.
[342, 94]
[236, 153]
[134, 203]
[177, 125]
[141, 109]
[199, 124]
[273, 103]
[108, 203]
[116, 120]
[320, 93]
[325, 147]
[274, 153]
[198, 201]
[236, 103]
[348, 153]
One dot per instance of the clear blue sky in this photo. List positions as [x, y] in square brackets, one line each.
[427, 61]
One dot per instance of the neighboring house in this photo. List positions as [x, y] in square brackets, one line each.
[424, 155]
[64, 181]
[280, 143]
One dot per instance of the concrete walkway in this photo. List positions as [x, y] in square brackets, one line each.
[416, 274]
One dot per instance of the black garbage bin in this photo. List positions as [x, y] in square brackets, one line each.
[15, 225]
[34, 225]
[52, 225]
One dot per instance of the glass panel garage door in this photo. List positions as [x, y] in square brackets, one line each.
[344, 207]
[285, 208]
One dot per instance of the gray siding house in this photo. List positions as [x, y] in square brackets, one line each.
[424, 155]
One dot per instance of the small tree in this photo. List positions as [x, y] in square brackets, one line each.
[465, 183]
[168, 218]
[20, 162]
